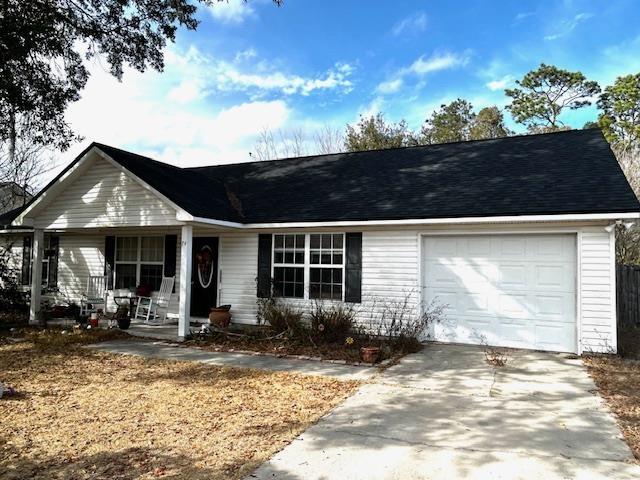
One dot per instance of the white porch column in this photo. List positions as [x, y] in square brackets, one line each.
[186, 247]
[36, 275]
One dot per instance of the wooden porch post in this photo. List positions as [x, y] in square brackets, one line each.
[36, 275]
[186, 247]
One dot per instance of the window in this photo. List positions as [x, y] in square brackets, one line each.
[309, 265]
[326, 269]
[288, 277]
[47, 253]
[139, 260]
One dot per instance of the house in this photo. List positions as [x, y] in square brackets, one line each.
[12, 196]
[514, 235]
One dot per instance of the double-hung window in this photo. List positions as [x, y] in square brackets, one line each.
[309, 266]
[289, 265]
[139, 260]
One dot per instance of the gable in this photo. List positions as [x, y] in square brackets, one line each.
[101, 195]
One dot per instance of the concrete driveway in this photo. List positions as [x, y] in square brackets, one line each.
[444, 414]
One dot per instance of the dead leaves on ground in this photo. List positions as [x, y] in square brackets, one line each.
[83, 414]
[619, 383]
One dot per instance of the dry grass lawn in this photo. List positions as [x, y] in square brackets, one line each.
[88, 415]
[619, 383]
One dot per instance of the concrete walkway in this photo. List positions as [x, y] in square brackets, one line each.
[168, 351]
[446, 414]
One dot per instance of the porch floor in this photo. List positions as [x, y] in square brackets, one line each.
[167, 331]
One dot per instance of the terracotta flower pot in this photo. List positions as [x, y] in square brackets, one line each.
[221, 317]
[370, 354]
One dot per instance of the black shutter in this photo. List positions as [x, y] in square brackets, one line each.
[353, 268]
[264, 265]
[26, 260]
[54, 244]
[170, 245]
[109, 259]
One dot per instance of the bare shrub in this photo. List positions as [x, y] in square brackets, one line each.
[398, 324]
[279, 314]
[498, 357]
[495, 356]
[332, 321]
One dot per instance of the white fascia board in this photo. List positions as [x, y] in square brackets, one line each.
[212, 221]
[17, 230]
[179, 210]
[423, 221]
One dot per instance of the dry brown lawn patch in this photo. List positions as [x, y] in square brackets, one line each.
[619, 383]
[90, 415]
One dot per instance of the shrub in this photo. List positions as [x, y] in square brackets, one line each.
[332, 322]
[397, 323]
[280, 315]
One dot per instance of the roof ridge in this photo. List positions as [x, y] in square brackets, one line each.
[408, 147]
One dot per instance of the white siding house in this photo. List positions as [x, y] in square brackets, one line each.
[531, 281]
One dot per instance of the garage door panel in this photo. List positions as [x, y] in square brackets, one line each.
[512, 247]
[480, 247]
[553, 307]
[510, 290]
[516, 305]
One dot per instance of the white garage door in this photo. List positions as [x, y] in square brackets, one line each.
[506, 290]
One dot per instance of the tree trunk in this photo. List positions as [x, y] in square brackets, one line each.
[12, 137]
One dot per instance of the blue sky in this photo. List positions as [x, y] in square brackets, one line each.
[252, 66]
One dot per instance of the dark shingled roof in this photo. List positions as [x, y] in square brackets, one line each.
[7, 217]
[571, 172]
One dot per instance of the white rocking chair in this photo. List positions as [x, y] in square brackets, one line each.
[147, 308]
[95, 294]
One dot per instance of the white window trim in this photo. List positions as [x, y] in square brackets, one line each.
[307, 265]
[46, 245]
[138, 262]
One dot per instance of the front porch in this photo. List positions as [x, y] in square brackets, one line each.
[87, 253]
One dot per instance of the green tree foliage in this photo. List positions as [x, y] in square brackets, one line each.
[489, 123]
[43, 45]
[374, 132]
[543, 94]
[451, 123]
[456, 122]
[620, 119]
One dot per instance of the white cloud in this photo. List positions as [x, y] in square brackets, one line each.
[413, 24]
[171, 116]
[390, 86]
[421, 67]
[187, 91]
[260, 77]
[247, 54]
[372, 108]
[523, 15]
[231, 11]
[133, 114]
[567, 26]
[230, 78]
[499, 84]
[442, 61]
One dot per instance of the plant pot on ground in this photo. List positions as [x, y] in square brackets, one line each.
[220, 316]
[370, 354]
[123, 318]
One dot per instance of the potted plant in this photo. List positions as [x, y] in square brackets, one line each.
[220, 316]
[370, 353]
[122, 317]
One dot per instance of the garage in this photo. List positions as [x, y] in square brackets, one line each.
[504, 290]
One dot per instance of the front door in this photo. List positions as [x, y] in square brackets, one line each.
[204, 275]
